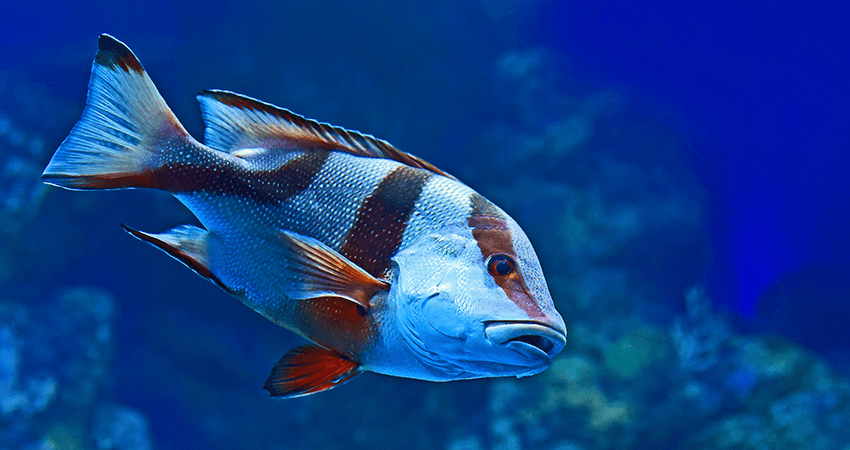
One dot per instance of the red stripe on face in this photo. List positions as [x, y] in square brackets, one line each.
[491, 232]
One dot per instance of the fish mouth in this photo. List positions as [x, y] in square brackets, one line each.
[533, 339]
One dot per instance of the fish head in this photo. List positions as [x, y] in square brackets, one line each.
[472, 302]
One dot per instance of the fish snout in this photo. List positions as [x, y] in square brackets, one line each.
[533, 339]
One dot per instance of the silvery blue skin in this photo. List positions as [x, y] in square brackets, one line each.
[443, 302]
[383, 261]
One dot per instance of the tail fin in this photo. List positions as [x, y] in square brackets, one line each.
[125, 124]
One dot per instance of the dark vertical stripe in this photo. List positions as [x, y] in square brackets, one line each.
[208, 173]
[381, 220]
[295, 176]
[481, 207]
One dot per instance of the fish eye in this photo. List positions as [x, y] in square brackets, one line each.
[500, 265]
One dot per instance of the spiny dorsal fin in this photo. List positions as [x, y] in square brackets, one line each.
[187, 244]
[308, 369]
[235, 121]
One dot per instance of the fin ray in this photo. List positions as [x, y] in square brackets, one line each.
[324, 272]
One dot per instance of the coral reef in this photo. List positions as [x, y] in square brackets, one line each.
[30, 122]
[54, 376]
[758, 392]
[639, 372]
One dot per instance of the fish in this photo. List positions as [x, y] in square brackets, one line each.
[380, 260]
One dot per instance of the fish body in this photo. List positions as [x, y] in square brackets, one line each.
[383, 261]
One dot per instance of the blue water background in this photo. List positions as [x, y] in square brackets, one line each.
[762, 87]
[757, 92]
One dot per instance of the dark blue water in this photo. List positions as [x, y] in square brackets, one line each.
[754, 95]
[765, 86]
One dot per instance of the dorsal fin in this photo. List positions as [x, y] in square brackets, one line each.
[235, 121]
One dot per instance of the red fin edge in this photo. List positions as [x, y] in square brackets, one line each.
[113, 53]
[187, 244]
[308, 369]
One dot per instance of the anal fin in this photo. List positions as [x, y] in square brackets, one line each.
[308, 369]
[185, 243]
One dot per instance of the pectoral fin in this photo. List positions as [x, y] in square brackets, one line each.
[308, 369]
[323, 272]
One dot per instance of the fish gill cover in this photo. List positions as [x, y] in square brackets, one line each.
[644, 149]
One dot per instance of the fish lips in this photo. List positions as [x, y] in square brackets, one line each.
[534, 340]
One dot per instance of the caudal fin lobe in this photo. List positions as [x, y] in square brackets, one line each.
[119, 140]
